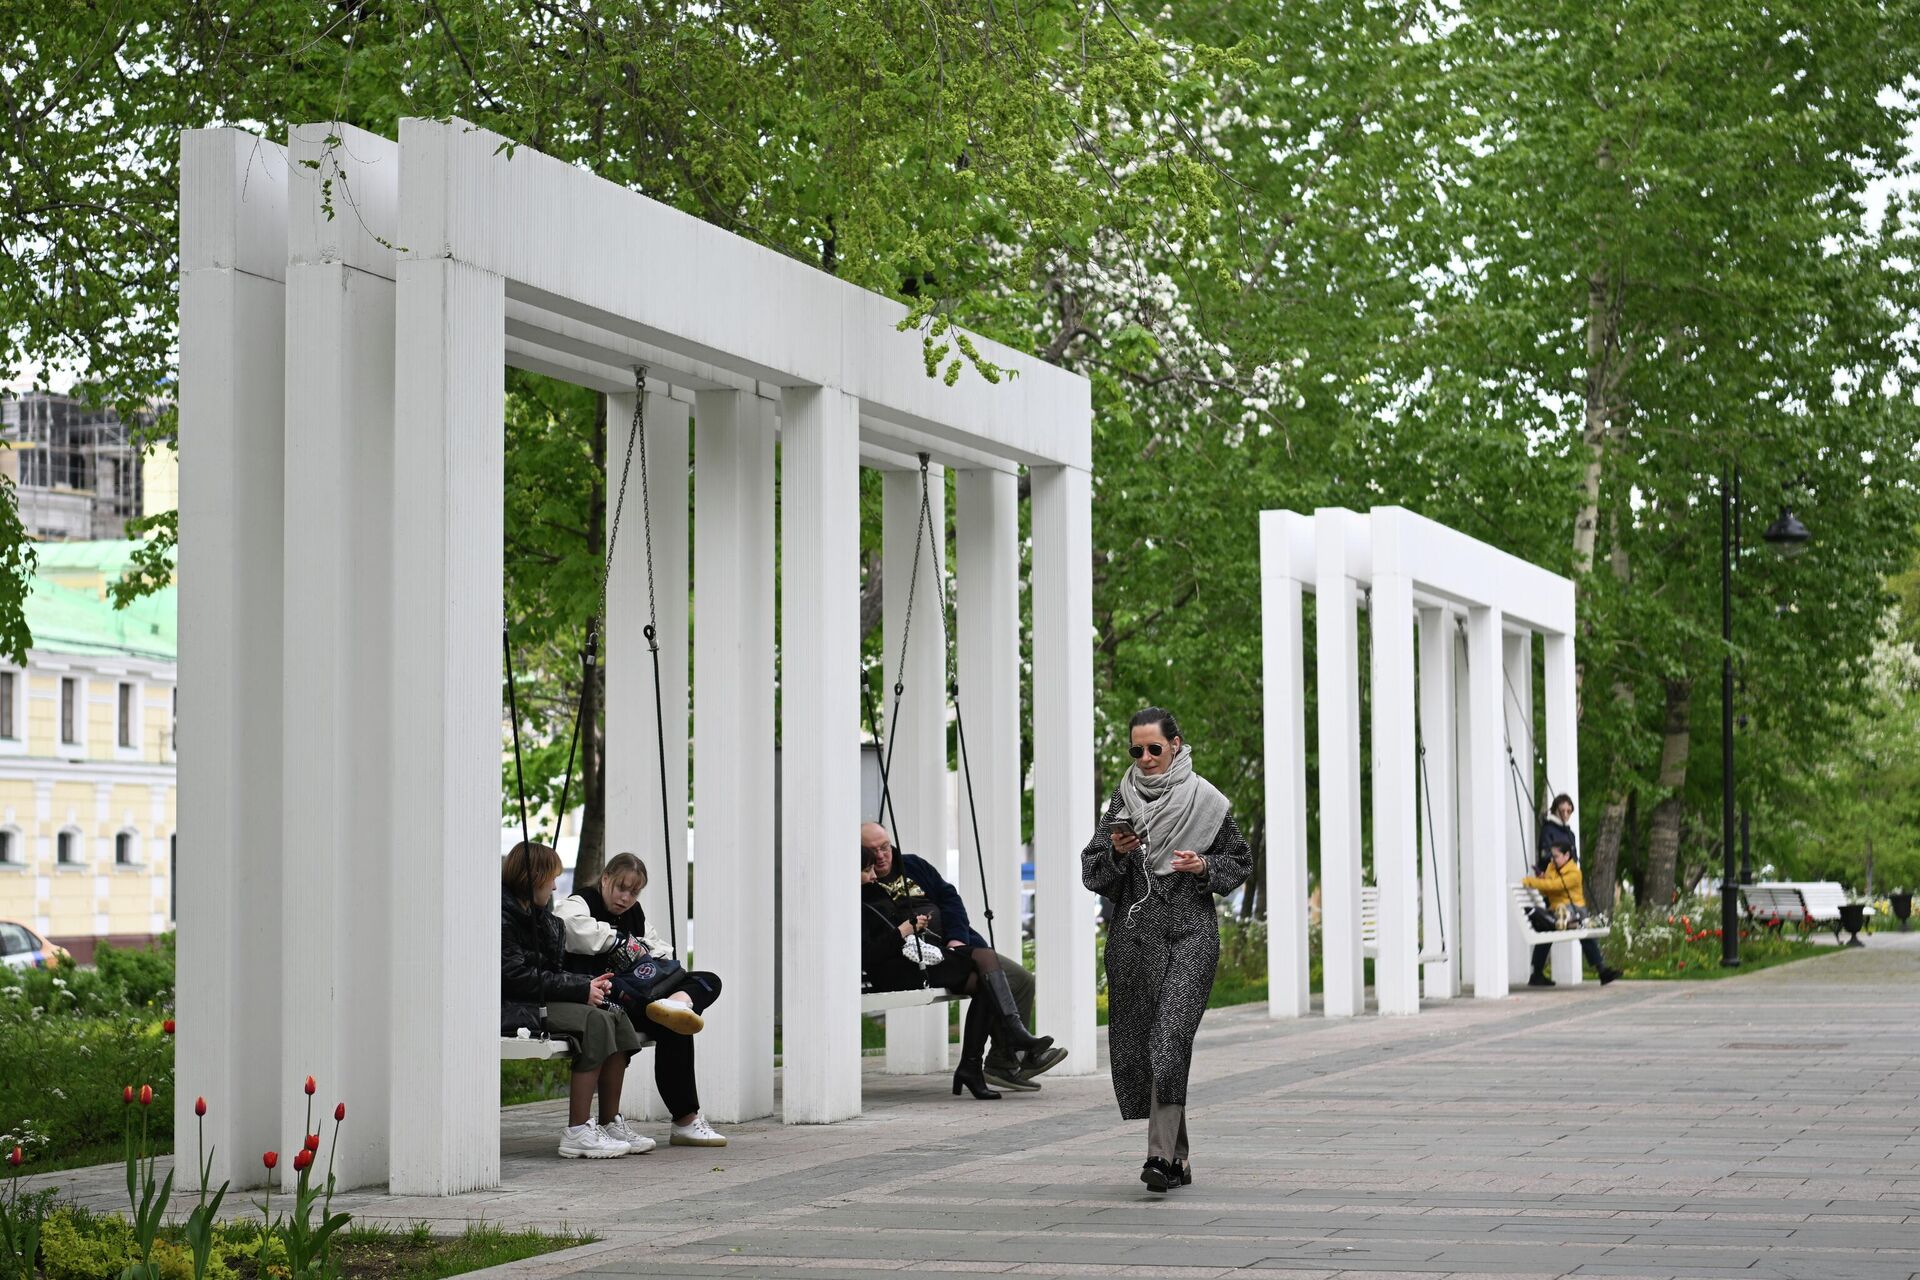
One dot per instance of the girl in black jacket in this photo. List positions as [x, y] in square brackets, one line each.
[537, 993]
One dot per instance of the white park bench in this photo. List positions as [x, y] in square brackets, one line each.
[541, 1048]
[1526, 899]
[1370, 927]
[1806, 904]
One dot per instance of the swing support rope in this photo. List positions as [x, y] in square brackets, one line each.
[1523, 794]
[926, 534]
[590, 653]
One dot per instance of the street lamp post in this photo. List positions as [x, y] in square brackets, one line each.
[1789, 536]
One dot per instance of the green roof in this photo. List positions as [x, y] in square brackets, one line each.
[108, 557]
[64, 620]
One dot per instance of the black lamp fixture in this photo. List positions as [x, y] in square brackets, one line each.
[1786, 534]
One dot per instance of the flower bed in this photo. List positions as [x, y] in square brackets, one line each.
[1685, 943]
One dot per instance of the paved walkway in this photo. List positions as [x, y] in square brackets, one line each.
[1763, 1126]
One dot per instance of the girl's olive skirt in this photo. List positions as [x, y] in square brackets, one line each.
[598, 1031]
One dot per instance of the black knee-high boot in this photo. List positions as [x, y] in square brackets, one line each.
[973, 1048]
[1007, 1024]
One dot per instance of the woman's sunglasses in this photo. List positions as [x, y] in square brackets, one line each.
[1136, 752]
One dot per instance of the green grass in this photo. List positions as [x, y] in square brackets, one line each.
[382, 1253]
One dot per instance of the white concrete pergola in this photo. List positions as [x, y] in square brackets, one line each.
[341, 395]
[1470, 611]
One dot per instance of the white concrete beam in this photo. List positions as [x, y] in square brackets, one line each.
[1524, 801]
[656, 275]
[913, 562]
[448, 475]
[1284, 685]
[1563, 764]
[820, 786]
[733, 767]
[233, 253]
[339, 548]
[1063, 799]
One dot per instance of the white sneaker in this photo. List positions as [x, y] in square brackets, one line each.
[637, 1143]
[676, 1015]
[587, 1142]
[697, 1134]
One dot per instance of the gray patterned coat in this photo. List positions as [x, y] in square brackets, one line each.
[1161, 954]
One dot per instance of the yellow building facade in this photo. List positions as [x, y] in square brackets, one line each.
[87, 845]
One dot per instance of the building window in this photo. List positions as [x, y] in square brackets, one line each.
[69, 711]
[123, 850]
[7, 686]
[9, 848]
[126, 714]
[66, 848]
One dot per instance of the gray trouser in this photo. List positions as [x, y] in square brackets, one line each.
[1020, 982]
[1167, 1131]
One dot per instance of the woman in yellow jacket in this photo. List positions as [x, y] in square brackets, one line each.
[1561, 883]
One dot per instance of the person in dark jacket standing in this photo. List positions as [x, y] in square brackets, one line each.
[538, 993]
[1165, 846]
[906, 904]
[1556, 832]
[606, 916]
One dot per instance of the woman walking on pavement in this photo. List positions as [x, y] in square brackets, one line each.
[1165, 846]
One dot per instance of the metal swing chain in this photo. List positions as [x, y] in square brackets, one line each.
[887, 812]
[652, 632]
[513, 712]
[1433, 841]
[959, 719]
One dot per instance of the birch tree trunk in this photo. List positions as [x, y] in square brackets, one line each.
[1663, 840]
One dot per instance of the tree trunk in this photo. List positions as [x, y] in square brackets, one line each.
[593, 778]
[1603, 862]
[1663, 841]
[1250, 901]
[1601, 377]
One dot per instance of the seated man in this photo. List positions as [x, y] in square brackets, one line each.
[901, 876]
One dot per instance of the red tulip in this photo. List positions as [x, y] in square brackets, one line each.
[310, 1086]
[270, 1159]
[126, 1095]
[313, 1142]
[146, 1095]
[340, 1113]
[301, 1160]
[199, 1106]
[167, 1026]
[16, 1156]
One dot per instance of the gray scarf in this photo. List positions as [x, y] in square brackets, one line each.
[1174, 810]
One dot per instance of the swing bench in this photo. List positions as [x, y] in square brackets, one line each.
[1370, 893]
[874, 1003]
[542, 1048]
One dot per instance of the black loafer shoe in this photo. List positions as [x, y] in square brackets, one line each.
[1186, 1174]
[1539, 980]
[1159, 1174]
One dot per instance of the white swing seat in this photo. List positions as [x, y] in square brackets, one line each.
[1370, 928]
[876, 1002]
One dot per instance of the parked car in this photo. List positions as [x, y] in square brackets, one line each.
[22, 948]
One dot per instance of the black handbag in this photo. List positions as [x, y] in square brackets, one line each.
[518, 1015]
[650, 979]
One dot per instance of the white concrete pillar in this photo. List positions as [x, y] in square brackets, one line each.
[1524, 801]
[1563, 765]
[339, 551]
[634, 814]
[1484, 793]
[1285, 698]
[820, 783]
[733, 744]
[1336, 660]
[1396, 862]
[448, 475]
[1438, 834]
[916, 723]
[233, 255]
[1464, 783]
[987, 605]
[1063, 799]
